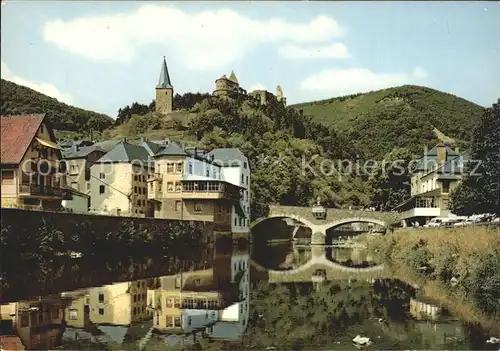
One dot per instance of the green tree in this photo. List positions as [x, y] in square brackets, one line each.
[479, 192]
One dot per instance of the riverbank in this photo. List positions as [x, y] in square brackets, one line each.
[460, 267]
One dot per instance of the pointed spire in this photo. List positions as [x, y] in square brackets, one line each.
[164, 81]
[233, 77]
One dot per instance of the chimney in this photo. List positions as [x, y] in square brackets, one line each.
[457, 150]
[441, 152]
[123, 139]
[143, 139]
[426, 150]
[74, 147]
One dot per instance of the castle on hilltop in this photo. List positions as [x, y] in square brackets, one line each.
[224, 87]
[230, 87]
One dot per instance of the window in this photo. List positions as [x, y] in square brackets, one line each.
[170, 187]
[7, 177]
[207, 173]
[101, 298]
[245, 165]
[178, 204]
[190, 168]
[170, 168]
[248, 180]
[242, 180]
[240, 221]
[235, 222]
[102, 176]
[197, 207]
[41, 128]
[189, 320]
[135, 178]
[88, 185]
[101, 189]
[178, 187]
[180, 165]
[73, 314]
[135, 189]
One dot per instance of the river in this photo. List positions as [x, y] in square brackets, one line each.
[226, 296]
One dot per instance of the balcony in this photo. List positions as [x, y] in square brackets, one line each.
[40, 190]
[210, 190]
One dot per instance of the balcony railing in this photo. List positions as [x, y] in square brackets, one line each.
[210, 190]
[39, 190]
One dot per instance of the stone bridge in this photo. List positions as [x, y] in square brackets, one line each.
[318, 262]
[334, 217]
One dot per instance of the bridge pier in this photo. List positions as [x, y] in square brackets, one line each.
[318, 237]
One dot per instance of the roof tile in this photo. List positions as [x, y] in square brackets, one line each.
[17, 132]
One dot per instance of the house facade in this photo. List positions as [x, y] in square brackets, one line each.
[191, 185]
[118, 181]
[434, 177]
[32, 174]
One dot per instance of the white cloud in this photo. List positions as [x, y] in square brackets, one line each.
[318, 51]
[358, 80]
[419, 73]
[44, 88]
[257, 86]
[207, 39]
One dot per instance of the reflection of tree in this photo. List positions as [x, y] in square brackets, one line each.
[296, 314]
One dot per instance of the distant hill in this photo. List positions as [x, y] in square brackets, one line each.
[18, 99]
[404, 116]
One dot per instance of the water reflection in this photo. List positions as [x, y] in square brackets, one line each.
[217, 298]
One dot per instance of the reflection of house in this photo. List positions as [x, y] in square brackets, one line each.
[11, 343]
[119, 181]
[30, 163]
[441, 336]
[436, 174]
[213, 300]
[425, 309]
[39, 324]
[119, 303]
[113, 314]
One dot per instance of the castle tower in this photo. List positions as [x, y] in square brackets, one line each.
[233, 78]
[279, 95]
[164, 91]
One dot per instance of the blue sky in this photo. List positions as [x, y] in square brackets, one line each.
[104, 55]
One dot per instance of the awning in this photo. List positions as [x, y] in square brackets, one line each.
[48, 143]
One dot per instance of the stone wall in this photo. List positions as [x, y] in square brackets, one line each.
[31, 233]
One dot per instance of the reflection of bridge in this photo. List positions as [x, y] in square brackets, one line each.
[305, 272]
[335, 217]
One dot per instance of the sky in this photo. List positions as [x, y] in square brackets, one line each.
[104, 55]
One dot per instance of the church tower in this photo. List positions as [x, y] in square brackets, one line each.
[164, 91]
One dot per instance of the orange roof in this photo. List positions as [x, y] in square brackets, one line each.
[10, 342]
[17, 132]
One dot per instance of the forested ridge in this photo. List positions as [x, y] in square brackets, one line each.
[18, 99]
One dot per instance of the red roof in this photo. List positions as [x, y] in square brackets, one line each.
[9, 342]
[17, 133]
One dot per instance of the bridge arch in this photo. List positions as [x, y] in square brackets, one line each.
[298, 218]
[355, 220]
